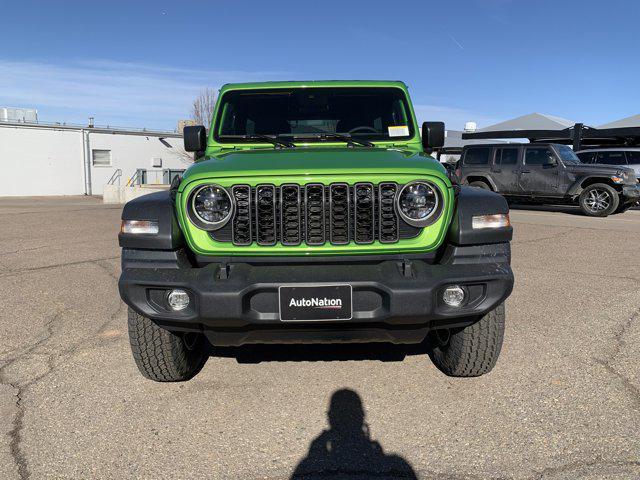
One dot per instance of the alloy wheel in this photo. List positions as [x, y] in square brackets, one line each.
[598, 200]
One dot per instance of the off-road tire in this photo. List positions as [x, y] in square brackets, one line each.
[614, 200]
[161, 355]
[479, 184]
[473, 350]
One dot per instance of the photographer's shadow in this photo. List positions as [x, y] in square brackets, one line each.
[346, 450]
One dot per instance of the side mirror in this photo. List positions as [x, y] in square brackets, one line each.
[432, 135]
[195, 138]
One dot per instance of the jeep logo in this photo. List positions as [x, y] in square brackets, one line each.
[317, 302]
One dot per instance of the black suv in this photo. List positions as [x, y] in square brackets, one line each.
[548, 173]
[620, 157]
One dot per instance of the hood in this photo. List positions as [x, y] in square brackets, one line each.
[629, 174]
[592, 168]
[316, 160]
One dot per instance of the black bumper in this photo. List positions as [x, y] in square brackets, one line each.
[395, 300]
[631, 193]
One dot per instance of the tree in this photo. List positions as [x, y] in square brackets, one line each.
[202, 109]
[201, 113]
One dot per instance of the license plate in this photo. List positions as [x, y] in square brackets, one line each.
[315, 302]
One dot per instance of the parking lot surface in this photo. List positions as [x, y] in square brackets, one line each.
[562, 402]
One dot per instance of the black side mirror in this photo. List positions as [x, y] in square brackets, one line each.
[432, 135]
[195, 138]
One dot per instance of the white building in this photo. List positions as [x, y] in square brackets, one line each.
[55, 159]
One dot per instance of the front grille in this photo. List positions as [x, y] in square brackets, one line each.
[315, 214]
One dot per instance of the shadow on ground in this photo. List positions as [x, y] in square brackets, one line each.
[346, 450]
[384, 352]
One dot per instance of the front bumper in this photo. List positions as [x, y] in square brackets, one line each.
[631, 192]
[394, 299]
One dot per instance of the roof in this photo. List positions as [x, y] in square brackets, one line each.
[532, 121]
[612, 149]
[314, 83]
[511, 144]
[453, 139]
[95, 129]
[632, 121]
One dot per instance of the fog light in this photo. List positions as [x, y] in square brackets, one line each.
[453, 296]
[178, 299]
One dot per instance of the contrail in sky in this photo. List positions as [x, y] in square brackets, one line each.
[456, 42]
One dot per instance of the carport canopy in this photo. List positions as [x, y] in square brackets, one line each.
[532, 121]
[547, 128]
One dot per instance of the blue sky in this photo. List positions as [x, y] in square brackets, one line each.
[140, 63]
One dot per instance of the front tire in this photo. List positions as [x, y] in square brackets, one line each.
[473, 350]
[161, 355]
[599, 200]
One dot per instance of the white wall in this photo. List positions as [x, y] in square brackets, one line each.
[48, 161]
[130, 152]
[40, 162]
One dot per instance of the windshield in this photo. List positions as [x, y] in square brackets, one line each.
[313, 114]
[567, 154]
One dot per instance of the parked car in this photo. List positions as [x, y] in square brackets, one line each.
[619, 157]
[550, 174]
[315, 214]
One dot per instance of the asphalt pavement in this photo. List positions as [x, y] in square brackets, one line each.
[562, 402]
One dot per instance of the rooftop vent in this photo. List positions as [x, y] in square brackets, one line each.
[25, 115]
[470, 127]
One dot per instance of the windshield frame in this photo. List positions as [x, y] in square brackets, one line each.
[309, 138]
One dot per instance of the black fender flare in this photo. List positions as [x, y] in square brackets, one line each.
[576, 187]
[484, 176]
[158, 207]
[472, 202]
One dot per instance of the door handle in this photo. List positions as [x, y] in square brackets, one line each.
[525, 171]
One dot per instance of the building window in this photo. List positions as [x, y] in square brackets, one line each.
[101, 158]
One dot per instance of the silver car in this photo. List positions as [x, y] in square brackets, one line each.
[621, 156]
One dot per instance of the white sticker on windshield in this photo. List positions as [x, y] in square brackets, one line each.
[399, 131]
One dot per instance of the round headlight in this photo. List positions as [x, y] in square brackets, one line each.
[419, 203]
[211, 207]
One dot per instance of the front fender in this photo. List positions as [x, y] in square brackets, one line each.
[469, 203]
[576, 187]
[158, 207]
[483, 175]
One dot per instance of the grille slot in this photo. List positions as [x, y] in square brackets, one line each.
[388, 220]
[290, 215]
[241, 230]
[266, 215]
[314, 202]
[364, 209]
[339, 213]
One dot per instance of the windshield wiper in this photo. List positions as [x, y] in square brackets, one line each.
[344, 137]
[277, 142]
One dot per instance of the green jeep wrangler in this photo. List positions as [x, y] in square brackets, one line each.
[314, 213]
